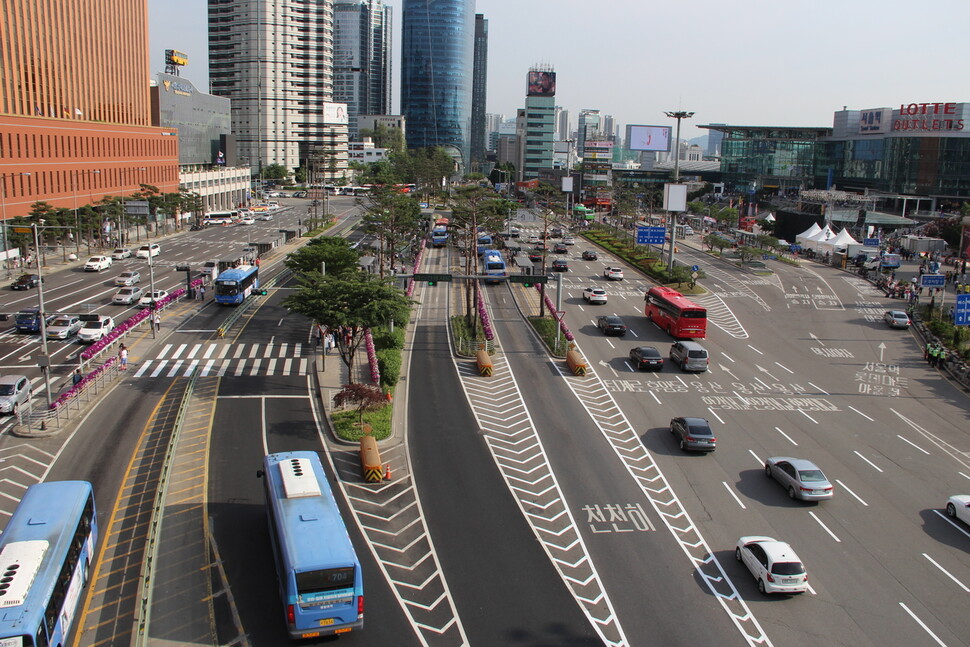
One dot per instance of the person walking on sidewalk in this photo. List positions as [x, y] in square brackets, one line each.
[157, 320]
[123, 357]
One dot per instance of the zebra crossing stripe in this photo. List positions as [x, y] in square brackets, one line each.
[239, 349]
[178, 351]
[223, 368]
[256, 364]
[165, 349]
[208, 353]
[175, 368]
[223, 351]
[194, 351]
[240, 367]
[271, 366]
[191, 368]
[269, 350]
[254, 351]
[207, 367]
[144, 367]
[286, 365]
[161, 367]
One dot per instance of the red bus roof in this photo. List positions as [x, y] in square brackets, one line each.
[673, 297]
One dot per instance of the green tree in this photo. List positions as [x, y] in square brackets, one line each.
[350, 302]
[475, 206]
[714, 241]
[337, 253]
[275, 172]
[385, 137]
[394, 218]
[766, 242]
[746, 253]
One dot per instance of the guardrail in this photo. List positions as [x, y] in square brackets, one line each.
[43, 421]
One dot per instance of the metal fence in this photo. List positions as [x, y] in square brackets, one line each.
[41, 421]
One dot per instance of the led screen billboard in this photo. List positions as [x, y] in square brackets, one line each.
[648, 138]
[542, 84]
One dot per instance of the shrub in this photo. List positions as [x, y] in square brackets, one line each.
[389, 363]
[384, 338]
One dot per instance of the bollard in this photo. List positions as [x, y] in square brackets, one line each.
[484, 363]
[370, 460]
[576, 363]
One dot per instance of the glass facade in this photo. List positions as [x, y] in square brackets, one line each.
[540, 131]
[479, 89]
[782, 158]
[202, 119]
[437, 47]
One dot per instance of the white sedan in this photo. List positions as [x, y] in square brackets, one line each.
[613, 274]
[773, 563]
[958, 507]
[247, 220]
[152, 297]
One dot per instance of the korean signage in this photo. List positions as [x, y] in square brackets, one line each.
[961, 311]
[873, 122]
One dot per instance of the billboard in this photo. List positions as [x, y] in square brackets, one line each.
[175, 57]
[542, 84]
[335, 113]
[648, 138]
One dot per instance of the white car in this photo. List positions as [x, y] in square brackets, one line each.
[593, 294]
[147, 251]
[773, 563]
[532, 240]
[151, 297]
[613, 274]
[958, 507]
[247, 220]
[95, 329]
[265, 216]
[128, 278]
[63, 327]
[127, 296]
[569, 240]
[121, 254]
[97, 263]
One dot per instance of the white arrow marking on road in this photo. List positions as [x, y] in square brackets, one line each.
[725, 369]
[882, 349]
[765, 371]
[813, 336]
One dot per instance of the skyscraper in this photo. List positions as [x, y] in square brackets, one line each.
[479, 82]
[274, 60]
[540, 122]
[362, 58]
[437, 52]
[589, 128]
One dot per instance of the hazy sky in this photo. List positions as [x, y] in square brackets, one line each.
[753, 62]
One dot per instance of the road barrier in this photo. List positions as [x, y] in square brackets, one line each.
[577, 365]
[370, 460]
[484, 363]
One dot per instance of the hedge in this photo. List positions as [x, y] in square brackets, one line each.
[389, 363]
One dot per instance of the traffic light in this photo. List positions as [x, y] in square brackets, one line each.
[527, 283]
[432, 283]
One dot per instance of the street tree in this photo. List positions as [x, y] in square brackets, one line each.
[363, 397]
[474, 207]
[336, 253]
[394, 219]
[347, 305]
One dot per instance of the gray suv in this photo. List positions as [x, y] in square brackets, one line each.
[14, 391]
[689, 356]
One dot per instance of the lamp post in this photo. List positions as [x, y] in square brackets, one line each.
[678, 115]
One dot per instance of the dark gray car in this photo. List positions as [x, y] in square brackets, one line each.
[694, 433]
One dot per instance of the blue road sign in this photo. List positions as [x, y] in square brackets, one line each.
[932, 280]
[695, 268]
[650, 235]
[870, 242]
[961, 311]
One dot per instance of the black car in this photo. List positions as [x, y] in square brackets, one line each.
[646, 357]
[560, 265]
[611, 325]
[560, 248]
[590, 255]
[26, 281]
[694, 433]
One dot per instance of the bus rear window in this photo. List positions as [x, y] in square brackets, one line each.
[329, 579]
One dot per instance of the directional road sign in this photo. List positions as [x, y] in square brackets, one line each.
[650, 235]
[961, 311]
[932, 280]
[870, 242]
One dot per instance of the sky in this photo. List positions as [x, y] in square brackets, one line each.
[752, 63]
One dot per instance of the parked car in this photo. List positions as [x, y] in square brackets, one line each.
[773, 563]
[896, 319]
[800, 477]
[958, 507]
[63, 327]
[128, 278]
[94, 328]
[127, 296]
[26, 281]
[14, 391]
[646, 357]
[121, 254]
[560, 248]
[694, 434]
[152, 297]
[611, 325]
[613, 274]
[560, 265]
[590, 255]
[593, 294]
[147, 251]
[97, 263]
[690, 356]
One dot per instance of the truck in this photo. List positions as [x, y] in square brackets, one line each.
[922, 244]
[857, 253]
[439, 233]
[884, 262]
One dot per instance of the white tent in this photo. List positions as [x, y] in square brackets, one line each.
[804, 238]
[771, 218]
[820, 239]
[843, 239]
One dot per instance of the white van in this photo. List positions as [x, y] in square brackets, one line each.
[690, 356]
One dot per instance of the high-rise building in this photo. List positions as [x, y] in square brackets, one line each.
[479, 82]
[362, 58]
[589, 128]
[609, 127]
[714, 139]
[274, 60]
[562, 124]
[75, 111]
[437, 55]
[540, 122]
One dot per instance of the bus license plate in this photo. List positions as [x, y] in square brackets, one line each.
[326, 621]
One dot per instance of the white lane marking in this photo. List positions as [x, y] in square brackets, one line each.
[727, 357]
[760, 462]
[161, 367]
[755, 349]
[861, 414]
[818, 388]
[963, 475]
[846, 488]
[786, 436]
[824, 527]
[679, 379]
[713, 413]
[947, 448]
[947, 573]
[179, 351]
[951, 522]
[731, 492]
[658, 402]
[763, 383]
[785, 367]
[867, 460]
[808, 416]
[144, 367]
[906, 440]
[923, 625]
[175, 368]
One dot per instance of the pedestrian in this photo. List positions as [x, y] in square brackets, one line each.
[328, 342]
[200, 293]
[933, 354]
[157, 320]
[318, 335]
[123, 357]
[77, 377]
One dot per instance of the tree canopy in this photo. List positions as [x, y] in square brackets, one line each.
[339, 257]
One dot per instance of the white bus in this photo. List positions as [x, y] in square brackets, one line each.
[220, 218]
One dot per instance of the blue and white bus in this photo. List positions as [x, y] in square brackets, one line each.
[45, 555]
[319, 575]
[493, 265]
[233, 286]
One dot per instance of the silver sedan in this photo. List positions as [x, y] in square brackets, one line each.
[801, 478]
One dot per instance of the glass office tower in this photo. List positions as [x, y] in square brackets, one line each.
[437, 54]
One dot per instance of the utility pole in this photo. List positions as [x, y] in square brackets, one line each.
[678, 115]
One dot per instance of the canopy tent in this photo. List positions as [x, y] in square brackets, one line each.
[771, 218]
[805, 238]
[842, 239]
[818, 240]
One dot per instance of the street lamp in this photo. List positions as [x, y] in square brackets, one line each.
[678, 115]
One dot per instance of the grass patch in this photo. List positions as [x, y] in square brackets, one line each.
[346, 427]
[546, 327]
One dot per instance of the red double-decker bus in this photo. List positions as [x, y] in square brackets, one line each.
[675, 313]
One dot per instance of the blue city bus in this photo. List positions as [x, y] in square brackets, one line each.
[493, 265]
[233, 286]
[45, 555]
[319, 575]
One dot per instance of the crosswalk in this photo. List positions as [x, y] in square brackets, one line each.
[217, 359]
